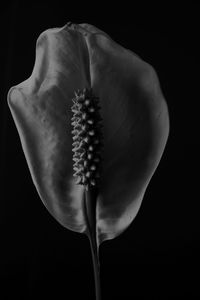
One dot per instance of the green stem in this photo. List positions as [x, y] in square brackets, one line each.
[90, 202]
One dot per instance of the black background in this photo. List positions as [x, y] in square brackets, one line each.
[157, 257]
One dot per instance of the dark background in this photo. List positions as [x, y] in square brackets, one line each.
[157, 257]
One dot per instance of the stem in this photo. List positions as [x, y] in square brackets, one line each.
[90, 205]
[96, 268]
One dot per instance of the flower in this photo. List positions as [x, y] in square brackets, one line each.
[134, 117]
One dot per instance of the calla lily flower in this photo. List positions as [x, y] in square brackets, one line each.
[134, 117]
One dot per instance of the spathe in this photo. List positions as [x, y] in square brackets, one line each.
[135, 125]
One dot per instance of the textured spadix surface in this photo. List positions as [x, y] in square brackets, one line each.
[135, 125]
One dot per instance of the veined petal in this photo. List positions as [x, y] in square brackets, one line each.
[134, 118]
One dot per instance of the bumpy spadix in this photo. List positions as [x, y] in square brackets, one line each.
[135, 126]
[87, 138]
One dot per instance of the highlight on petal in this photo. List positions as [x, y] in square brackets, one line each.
[134, 116]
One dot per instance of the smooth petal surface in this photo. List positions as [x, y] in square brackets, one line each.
[135, 120]
[136, 127]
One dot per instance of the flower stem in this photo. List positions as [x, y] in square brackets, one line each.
[96, 267]
[90, 202]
